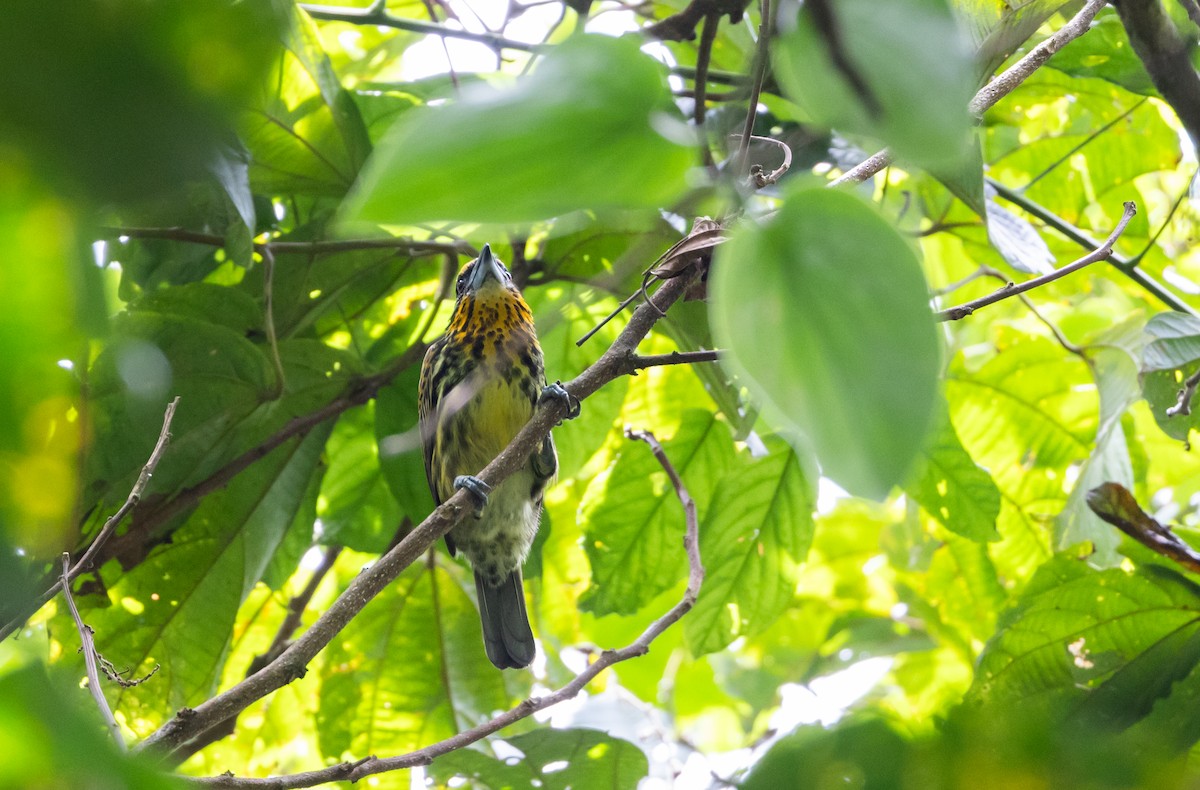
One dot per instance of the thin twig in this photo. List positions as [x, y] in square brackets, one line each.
[1126, 266]
[292, 663]
[708, 35]
[269, 317]
[1103, 252]
[759, 72]
[135, 496]
[1193, 10]
[637, 363]
[354, 771]
[998, 87]
[89, 655]
[1183, 405]
[376, 14]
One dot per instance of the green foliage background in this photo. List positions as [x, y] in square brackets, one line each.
[947, 557]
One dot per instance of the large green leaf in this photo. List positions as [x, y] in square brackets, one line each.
[634, 522]
[356, 508]
[824, 313]
[752, 541]
[569, 136]
[952, 488]
[177, 608]
[52, 737]
[1106, 644]
[920, 109]
[409, 670]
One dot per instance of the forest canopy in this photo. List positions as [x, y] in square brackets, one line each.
[882, 320]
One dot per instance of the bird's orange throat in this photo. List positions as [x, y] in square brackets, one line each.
[496, 314]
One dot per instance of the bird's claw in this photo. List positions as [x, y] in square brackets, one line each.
[558, 391]
[476, 488]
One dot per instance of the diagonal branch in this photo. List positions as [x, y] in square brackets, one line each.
[354, 771]
[293, 662]
[998, 87]
[1103, 252]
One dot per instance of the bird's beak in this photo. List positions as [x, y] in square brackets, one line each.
[486, 267]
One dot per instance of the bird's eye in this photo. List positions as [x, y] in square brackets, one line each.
[462, 278]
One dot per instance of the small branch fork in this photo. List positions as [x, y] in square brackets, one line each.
[292, 663]
[353, 771]
[85, 562]
[89, 655]
[1103, 252]
[997, 88]
[1183, 405]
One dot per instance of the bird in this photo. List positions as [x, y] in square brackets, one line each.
[480, 383]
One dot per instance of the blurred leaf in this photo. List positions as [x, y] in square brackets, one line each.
[583, 140]
[357, 509]
[399, 448]
[998, 29]
[52, 737]
[752, 540]
[919, 110]
[824, 312]
[952, 488]
[1174, 341]
[125, 101]
[1018, 241]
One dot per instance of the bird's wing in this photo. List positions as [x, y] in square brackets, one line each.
[427, 411]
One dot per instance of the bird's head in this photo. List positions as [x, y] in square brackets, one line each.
[487, 299]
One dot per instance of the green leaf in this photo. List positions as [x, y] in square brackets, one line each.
[409, 670]
[952, 488]
[399, 448]
[567, 137]
[52, 737]
[1116, 379]
[177, 607]
[357, 509]
[593, 760]
[1105, 52]
[999, 29]
[920, 110]
[1076, 630]
[634, 522]
[824, 312]
[752, 541]
[1175, 341]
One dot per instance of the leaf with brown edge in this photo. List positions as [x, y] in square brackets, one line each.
[1113, 503]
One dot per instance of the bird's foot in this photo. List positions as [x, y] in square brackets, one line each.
[559, 392]
[476, 488]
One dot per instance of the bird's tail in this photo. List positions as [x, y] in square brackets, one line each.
[506, 633]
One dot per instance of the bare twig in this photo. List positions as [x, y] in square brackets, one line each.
[354, 771]
[1103, 252]
[998, 87]
[758, 71]
[703, 53]
[1113, 503]
[269, 317]
[1126, 266]
[292, 663]
[1183, 405]
[131, 501]
[636, 363]
[89, 655]
[1193, 10]
[377, 14]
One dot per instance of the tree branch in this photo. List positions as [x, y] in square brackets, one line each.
[759, 71]
[998, 87]
[89, 654]
[1103, 252]
[293, 662]
[640, 362]
[1166, 56]
[131, 501]
[1124, 265]
[354, 771]
[1113, 503]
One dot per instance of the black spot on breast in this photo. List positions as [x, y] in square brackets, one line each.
[477, 348]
